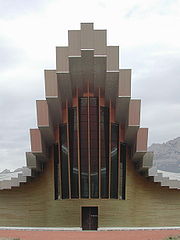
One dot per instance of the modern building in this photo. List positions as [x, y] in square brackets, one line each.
[88, 166]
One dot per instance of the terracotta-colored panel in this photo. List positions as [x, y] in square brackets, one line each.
[56, 133]
[51, 87]
[134, 112]
[64, 115]
[122, 132]
[42, 113]
[75, 101]
[125, 82]
[36, 142]
[142, 137]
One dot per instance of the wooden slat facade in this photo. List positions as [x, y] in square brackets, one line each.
[146, 204]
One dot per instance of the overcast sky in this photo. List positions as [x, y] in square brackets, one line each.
[147, 32]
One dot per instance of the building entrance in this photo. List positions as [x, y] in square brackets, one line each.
[89, 218]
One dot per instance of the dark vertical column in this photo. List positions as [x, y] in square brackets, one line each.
[119, 159]
[73, 147]
[104, 129]
[56, 172]
[114, 160]
[69, 176]
[89, 162]
[94, 146]
[83, 125]
[59, 165]
[99, 136]
[64, 161]
[78, 145]
[122, 171]
[109, 190]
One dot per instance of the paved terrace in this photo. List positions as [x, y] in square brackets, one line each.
[93, 235]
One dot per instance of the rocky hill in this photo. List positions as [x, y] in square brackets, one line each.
[167, 155]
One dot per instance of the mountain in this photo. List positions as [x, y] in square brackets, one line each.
[167, 155]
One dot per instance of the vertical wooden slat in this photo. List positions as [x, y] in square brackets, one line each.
[89, 157]
[59, 165]
[69, 176]
[99, 111]
[78, 143]
[109, 148]
[119, 156]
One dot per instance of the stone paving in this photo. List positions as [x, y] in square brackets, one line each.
[93, 235]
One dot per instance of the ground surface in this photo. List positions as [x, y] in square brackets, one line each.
[102, 235]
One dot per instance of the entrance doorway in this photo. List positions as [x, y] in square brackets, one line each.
[89, 218]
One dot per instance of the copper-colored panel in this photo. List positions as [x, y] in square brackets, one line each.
[36, 141]
[125, 82]
[122, 133]
[142, 136]
[74, 39]
[51, 87]
[134, 112]
[62, 63]
[102, 100]
[42, 113]
[75, 100]
[64, 115]
[113, 58]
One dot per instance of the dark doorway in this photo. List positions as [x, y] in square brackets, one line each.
[89, 218]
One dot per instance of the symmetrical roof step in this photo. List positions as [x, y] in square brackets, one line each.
[166, 179]
[14, 179]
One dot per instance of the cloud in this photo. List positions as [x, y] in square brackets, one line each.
[10, 54]
[142, 9]
[9, 9]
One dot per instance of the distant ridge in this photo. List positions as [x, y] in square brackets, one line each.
[167, 155]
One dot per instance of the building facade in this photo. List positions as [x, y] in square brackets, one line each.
[88, 166]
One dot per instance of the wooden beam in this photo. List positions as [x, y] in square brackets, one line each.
[89, 154]
[69, 169]
[109, 148]
[78, 143]
[99, 112]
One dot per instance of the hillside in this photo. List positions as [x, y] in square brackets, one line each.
[167, 155]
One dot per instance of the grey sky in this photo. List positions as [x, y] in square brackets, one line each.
[146, 31]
